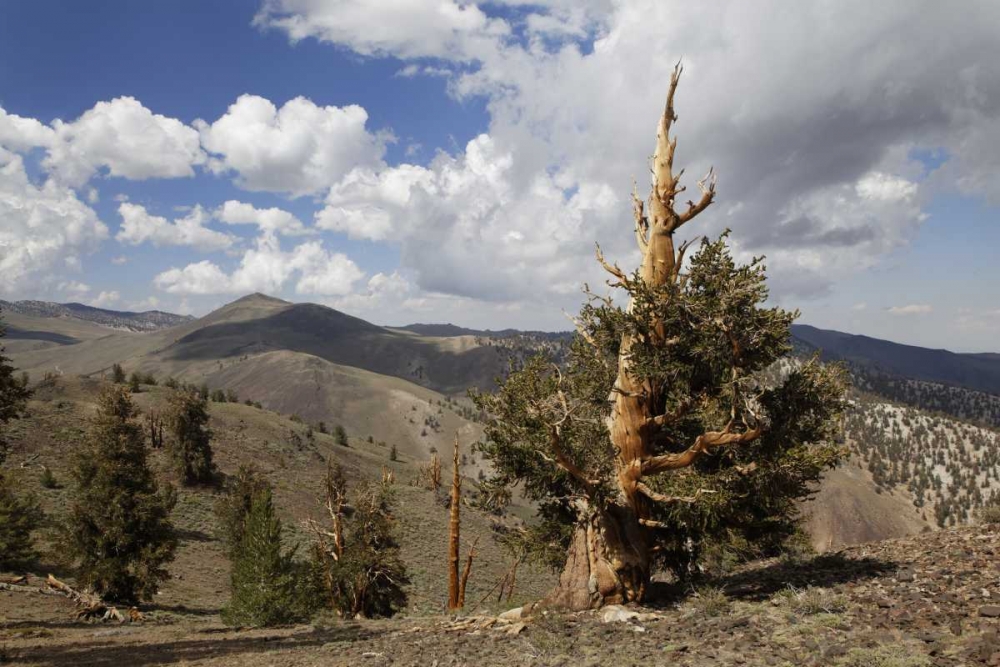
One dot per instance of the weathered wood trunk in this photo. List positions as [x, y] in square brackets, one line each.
[609, 559]
[607, 563]
[454, 527]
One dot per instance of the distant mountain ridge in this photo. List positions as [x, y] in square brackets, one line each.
[452, 330]
[979, 372]
[406, 385]
[150, 320]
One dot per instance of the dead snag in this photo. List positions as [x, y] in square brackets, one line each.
[453, 533]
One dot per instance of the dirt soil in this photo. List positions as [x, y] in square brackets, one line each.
[927, 600]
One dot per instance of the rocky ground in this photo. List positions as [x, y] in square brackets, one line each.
[927, 600]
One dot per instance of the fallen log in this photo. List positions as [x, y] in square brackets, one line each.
[93, 607]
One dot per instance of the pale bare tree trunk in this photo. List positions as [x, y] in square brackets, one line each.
[454, 601]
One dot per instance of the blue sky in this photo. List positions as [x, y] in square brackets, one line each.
[439, 160]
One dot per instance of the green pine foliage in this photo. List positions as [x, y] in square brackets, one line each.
[233, 507]
[20, 516]
[340, 435]
[117, 374]
[742, 498]
[191, 444]
[14, 394]
[268, 586]
[369, 577]
[118, 529]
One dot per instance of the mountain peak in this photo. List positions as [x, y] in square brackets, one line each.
[259, 297]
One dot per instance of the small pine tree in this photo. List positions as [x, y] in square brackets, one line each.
[14, 394]
[191, 446]
[134, 382]
[48, 479]
[118, 529]
[19, 517]
[232, 509]
[365, 575]
[340, 435]
[264, 579]
[393, 453]
[118, 374]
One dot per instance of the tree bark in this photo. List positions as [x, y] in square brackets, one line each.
[609, 558]
[607, 563]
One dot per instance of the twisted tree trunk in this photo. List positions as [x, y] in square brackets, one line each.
[609, 558]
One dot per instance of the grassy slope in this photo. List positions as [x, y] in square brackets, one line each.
[246, 435]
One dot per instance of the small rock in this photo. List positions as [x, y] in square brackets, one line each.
[990, 610]
[885, 603]
[905, 576]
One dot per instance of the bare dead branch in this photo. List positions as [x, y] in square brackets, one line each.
[707, 187]
[623, 280]
[466, 572]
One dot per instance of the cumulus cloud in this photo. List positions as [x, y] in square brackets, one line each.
[74, 288]
[139, 226]
[911, 309]
[125, 138]
[22, 134]
[45, 227]
[267, 268]
[467, 225]
[202, 277]
[268, 220]
[105, 299]
[812, 119]
[300, 148]
[426, 28]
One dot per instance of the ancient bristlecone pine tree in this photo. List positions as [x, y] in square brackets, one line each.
[674, 383]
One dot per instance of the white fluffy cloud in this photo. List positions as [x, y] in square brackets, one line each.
[468, 226]
[266, 268]
[139, 226]
[125, 138]
[404, 28]
[74, 288]
[268, 220]
[44, 227]
[22, 134]
[106, 299]
[300, 148]
[813, 119]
